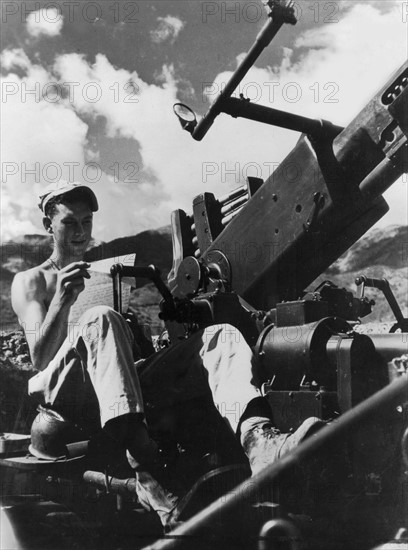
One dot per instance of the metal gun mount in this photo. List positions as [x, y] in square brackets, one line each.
[245, 259]
[271, 239]
[277, 236]
[261, 245]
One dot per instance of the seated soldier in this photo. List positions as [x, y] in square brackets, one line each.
[95, 357]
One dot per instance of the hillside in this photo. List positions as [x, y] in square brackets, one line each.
[151, 247]
[379, 254]
[387, 247]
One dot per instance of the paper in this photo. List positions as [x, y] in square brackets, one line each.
[103, 266]
[99, 288]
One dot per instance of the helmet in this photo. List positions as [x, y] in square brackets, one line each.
[51, 433]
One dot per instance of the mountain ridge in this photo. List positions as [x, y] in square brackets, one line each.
[381, 252]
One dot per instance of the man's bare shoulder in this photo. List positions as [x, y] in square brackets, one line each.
[36, 276]
[31, 284]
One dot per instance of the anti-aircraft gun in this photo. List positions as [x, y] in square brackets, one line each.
[246, 259]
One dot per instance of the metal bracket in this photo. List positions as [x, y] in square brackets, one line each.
[382, 284]
[319, 200]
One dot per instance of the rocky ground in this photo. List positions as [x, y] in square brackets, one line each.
[16, 409]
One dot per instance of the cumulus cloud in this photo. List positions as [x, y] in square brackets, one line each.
[15, 58]
[168, 28]
[45, 113]
[41, 137]
[174, 160]
[46, 21]
[336, 70]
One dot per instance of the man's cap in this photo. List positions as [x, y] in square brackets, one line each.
[62, 188]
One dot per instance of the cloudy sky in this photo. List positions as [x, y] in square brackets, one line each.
[88, 88]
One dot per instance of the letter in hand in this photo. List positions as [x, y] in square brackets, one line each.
[70, 282]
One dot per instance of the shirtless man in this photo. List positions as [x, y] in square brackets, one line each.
[75, 364]
[42, 296]
[70, 381]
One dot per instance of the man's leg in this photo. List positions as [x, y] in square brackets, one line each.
[65, 386]
[232, 371]
[233, 376]
[99, 353]
[105, 344]
[219, 357]
[103, 341]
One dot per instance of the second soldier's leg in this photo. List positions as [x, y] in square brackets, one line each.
[233, 378]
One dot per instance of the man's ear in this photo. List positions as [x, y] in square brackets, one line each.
[47, 224]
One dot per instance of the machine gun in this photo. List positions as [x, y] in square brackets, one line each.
[246, 259]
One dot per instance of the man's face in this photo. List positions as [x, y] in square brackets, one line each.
[72, 228]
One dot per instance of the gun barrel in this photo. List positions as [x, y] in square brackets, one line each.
[380, 179]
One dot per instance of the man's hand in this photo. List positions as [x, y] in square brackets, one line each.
[70, 283]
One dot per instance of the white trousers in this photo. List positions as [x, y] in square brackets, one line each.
[94, 371]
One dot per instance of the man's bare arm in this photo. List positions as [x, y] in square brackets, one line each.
[46, 330]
